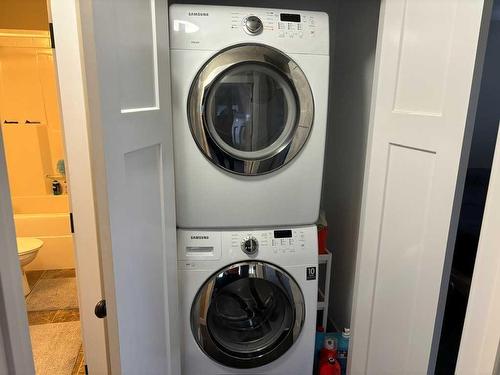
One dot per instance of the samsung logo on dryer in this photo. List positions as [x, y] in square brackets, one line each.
[200, 237]
[198, 14]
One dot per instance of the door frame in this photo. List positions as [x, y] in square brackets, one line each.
[16, 355]
[481, 329]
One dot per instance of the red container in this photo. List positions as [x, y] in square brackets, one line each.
[330, 367]
[326, 353]
[328, 364]
[322, 237]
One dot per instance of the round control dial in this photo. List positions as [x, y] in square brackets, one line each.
[250, 245]
[253, 25]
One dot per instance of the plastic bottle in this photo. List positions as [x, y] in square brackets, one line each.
[330, 367]
[343, 349]
[56, 188]
[61, 169]
[329, 350]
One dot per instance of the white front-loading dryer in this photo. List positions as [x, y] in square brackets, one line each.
[248, 301]
[250, 94]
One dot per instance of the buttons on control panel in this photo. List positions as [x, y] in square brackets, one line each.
[253, 25]
[282, 241]
[250, 245]
[283, 26]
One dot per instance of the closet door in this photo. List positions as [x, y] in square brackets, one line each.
[423, 75]
[127, 66]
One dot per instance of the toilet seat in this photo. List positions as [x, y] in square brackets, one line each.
[27, 245]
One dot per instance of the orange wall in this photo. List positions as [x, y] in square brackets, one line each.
[24, 14]
[27, 164]
[28, 92]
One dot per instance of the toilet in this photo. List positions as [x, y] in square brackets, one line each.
[27, 249]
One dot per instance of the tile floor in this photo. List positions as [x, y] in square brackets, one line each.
[56, 316]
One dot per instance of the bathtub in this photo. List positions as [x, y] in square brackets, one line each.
[46, 217]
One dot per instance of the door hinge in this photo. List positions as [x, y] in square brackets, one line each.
[71, 223]
[51, 32]
[86, 370]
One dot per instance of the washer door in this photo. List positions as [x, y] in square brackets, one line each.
[250, 109]
[248, 314]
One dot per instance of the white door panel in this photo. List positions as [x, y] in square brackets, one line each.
[128, 76]
[425, 61]
[73, 111]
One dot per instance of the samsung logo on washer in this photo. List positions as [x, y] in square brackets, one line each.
[198, 14]
[200, 237]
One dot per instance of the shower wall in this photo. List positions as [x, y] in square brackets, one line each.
[29, 111]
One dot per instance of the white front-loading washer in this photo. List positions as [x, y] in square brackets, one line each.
[248, 301]
[249, 96]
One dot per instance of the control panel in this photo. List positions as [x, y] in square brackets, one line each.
[211, 27]
[285, 25]
[280, 241]
[212, 248]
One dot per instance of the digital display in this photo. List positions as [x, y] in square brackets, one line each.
[283, 233]
[287, 17]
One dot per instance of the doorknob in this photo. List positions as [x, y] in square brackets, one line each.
[100, 309]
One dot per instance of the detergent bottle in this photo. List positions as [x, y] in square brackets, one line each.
[328, 364]
[329, 350]
[330, 367]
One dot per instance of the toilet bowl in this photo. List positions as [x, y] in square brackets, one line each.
[27, 249]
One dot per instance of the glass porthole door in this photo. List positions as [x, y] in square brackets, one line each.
[250, 109]
[247, 315]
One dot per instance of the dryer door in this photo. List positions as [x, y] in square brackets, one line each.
[250, 109]
[248, 314]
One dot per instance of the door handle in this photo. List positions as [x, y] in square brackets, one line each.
[100, 309]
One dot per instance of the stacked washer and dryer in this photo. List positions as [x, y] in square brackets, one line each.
[250, 89]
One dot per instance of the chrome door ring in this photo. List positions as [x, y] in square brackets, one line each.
[256, 270]
[253, 163]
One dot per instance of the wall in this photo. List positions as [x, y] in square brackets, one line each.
[313, 5]
[357, 25]
[24, 14]
[488, 108]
